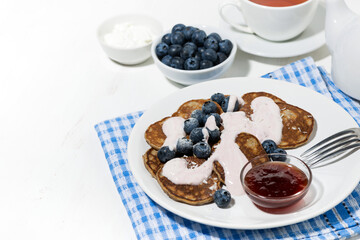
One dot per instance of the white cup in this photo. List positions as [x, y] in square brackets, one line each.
[271, 23]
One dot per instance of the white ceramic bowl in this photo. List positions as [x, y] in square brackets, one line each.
[188, 77]
[128, 56]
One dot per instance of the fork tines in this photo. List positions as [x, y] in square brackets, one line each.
[332, 146]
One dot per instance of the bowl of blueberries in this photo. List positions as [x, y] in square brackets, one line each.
[193, 54]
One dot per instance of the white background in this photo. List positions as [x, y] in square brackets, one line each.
[56, 84]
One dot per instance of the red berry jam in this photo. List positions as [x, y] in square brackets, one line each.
[276, 179]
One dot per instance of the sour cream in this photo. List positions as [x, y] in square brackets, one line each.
[129, 35]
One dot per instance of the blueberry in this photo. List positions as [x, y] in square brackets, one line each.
[191, 64]
[178, 28]
[165, 154]
[201, 49]
[214, 135]
[161, 50]
[209, 107]
[218, 97]
[166, 38]
[202, 150]
[191, 44]
[204, 64]
[212, 43]
[177, 62]
[209, 54]
[222, 198]
[198, 37]
[198, 57]
[177, 38]
[190, 124]
[188, 31]
[184, 146]
[217, 118]
[166, 60]
[216, 36]
[174, 50]
[186, 52]
[220, 57]
[225, 105]
[225, 46]
[197, 135]
[199, 115]
[269, 146]
[279, 157]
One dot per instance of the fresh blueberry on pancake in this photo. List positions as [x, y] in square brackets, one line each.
[230, 104]
[218, 97]
[197, 135]
[202, 150]
[209, 107]
[165, 154]
[199, 115]
[190, 124]
[214, 135]
[184, 146]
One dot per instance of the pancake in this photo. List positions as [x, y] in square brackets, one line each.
[151, 162]
[154, 135]
[191, 194]
[297, 126]
[297, 123]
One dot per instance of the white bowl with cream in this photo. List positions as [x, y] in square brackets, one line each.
[127, 39]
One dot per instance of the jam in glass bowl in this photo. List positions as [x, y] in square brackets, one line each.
[276, 184]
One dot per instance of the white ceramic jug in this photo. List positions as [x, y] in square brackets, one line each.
[342, 30]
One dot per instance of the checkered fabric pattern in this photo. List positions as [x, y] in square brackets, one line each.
[150, 221]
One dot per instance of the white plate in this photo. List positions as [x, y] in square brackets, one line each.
[331, 184]
[311, 39]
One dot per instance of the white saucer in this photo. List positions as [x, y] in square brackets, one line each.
[311, 39]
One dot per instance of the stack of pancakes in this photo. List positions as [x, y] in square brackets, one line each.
[297, 128]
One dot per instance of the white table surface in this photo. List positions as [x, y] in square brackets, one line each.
[56, 83]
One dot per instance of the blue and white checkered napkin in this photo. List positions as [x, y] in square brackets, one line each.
[151, 221]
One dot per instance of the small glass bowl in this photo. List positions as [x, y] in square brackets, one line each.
[275, 201]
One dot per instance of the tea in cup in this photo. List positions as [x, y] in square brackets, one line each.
[274, 20]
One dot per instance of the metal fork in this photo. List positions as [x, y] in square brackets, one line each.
[338, 144]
